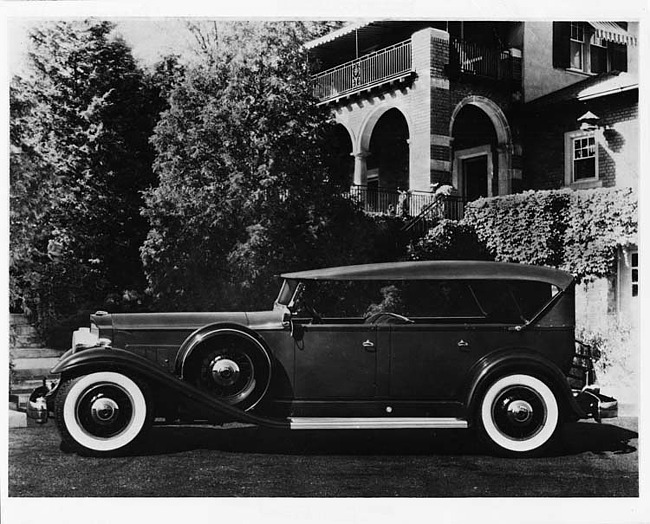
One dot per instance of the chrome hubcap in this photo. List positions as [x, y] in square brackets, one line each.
[225, 372]
[520, 411]
[104, 410]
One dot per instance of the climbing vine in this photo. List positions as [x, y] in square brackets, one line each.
[579, 231]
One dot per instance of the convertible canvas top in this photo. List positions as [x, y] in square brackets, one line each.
[438, 270]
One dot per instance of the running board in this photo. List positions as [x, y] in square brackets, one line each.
[377, 423]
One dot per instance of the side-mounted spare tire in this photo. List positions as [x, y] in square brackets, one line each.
[518, 416]
[231, 366]
[103, 413]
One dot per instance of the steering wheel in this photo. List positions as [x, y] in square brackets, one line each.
[386, 317]
[315, 315]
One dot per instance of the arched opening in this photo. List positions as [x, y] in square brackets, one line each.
[481, 149]
[474, 148]
[388, 160]
[340, 159]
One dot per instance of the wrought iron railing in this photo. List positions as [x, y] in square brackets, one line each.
[376, 68]
[419, 205]
[450, 207]
[481, 61]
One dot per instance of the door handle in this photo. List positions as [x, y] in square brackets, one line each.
[463, 344]
[368, 345]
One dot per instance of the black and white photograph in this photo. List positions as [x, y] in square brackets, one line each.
[362, 262]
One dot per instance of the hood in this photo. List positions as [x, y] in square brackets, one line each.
[185, 321]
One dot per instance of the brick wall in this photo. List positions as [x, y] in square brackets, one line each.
[618, 152]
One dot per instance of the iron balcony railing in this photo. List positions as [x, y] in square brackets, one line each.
[473, 59]
[421, 205]
[376, 68]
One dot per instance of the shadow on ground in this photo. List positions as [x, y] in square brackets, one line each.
[574, 439]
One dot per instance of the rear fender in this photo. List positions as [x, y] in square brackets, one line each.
[506, 361]
[106, 358]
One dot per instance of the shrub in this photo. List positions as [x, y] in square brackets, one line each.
[449, 240]
[617, 365]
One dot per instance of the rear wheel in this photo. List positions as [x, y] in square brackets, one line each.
[518, 415]
[103, 413]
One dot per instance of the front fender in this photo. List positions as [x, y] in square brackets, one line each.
[499, 363]
[106, 358]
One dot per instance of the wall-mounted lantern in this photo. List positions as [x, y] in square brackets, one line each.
[589, 121]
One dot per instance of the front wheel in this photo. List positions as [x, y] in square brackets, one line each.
[103, 413]
[518, 416]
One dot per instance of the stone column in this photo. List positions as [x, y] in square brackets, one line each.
[360, 168]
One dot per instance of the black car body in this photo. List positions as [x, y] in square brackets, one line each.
[445, 344]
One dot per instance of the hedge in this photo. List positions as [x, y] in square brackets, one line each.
[578, 231]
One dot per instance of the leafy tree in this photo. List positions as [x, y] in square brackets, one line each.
[80, 158]
[245, 190]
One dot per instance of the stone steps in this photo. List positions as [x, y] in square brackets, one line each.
[30, 359]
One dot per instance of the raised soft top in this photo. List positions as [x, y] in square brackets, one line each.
[438, 270]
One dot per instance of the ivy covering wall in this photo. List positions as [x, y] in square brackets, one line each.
[578, 231]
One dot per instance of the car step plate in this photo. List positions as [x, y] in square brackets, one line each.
[377, 423]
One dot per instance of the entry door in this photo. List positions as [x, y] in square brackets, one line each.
[475, 177]
[336, 361]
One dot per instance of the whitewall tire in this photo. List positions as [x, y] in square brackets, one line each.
[103, 412]
[518, 415]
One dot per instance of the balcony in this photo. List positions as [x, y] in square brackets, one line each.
[468, 59]
[381, 67]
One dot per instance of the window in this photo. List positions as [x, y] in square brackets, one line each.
[576, 45]
[598, 56]
[581, 159]
[584, 158]
[635, 274]
[579, 46]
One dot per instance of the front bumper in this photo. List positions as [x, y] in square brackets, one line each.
[41, 402]
[596, 405]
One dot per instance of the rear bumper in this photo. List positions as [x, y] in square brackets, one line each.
[596, 405]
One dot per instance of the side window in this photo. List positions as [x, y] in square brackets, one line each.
[531, 296]
[497, 301]
[440, 299]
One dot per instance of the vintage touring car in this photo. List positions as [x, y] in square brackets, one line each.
[440, 344]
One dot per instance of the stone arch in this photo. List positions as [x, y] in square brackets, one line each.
[341, 154]
[505, 146]
[362, 143]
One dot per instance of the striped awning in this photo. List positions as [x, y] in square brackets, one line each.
[613, 32]
[345, 30]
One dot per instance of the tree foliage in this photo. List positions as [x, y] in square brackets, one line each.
[80, 157]
[245, 190]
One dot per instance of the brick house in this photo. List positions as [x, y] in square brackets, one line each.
[586, 136]
[491, 108]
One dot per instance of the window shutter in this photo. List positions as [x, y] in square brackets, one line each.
[561, 36]
[618, 56]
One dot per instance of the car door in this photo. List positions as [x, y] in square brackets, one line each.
[335, 361]
[459, 322]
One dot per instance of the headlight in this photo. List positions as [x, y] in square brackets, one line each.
[84, 338]
[88, 337]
